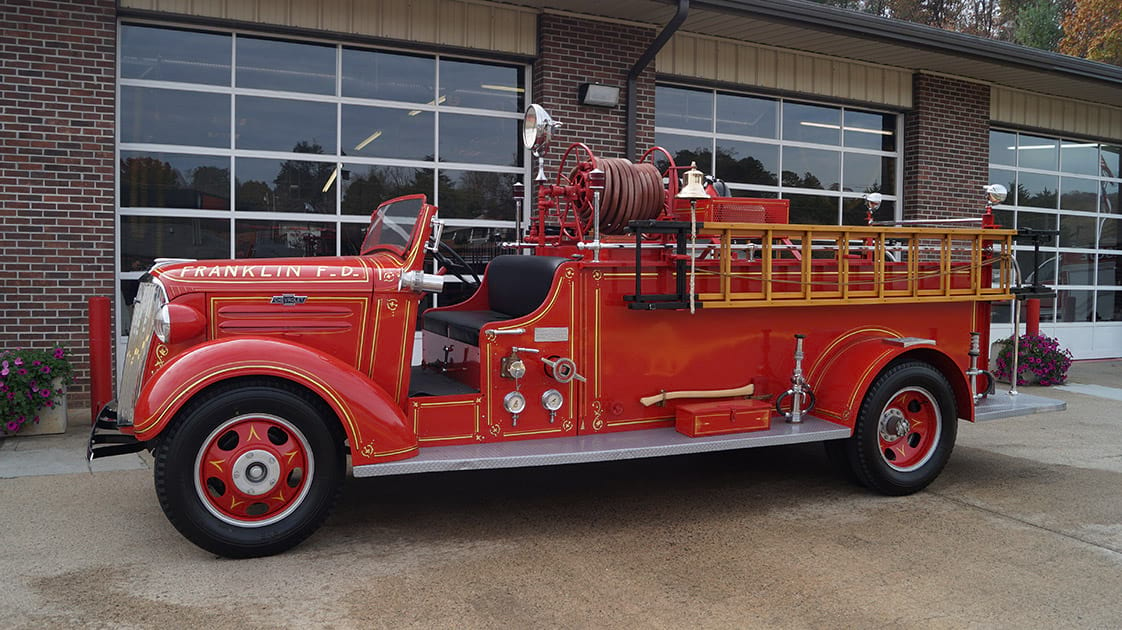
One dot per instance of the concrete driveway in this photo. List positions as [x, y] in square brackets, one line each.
[1022, 530]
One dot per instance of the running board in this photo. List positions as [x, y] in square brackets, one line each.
[1005, 405]
[600, 448]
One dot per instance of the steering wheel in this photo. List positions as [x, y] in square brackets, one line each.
[451, 260]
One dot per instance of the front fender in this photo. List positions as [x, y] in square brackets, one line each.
[376, 427]
[846, 369]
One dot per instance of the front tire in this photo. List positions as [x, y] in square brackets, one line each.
[249, 469]
[905, 430]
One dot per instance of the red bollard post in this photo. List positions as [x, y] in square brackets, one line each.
[101, 376]
[1032, 317]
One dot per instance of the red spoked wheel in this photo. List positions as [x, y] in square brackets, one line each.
[250, 467]
[254, 470]
[905, 431]
[909, 429]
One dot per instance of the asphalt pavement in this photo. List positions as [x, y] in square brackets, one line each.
[1022, 530]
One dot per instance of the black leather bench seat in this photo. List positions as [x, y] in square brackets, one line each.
[461, 325]
[516, 286]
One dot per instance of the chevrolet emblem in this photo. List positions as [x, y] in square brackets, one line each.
[288, 299]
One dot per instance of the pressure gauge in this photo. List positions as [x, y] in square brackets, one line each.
[552, 400]
[514, 402]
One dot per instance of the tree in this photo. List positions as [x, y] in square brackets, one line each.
[1093, 30]
[1038, 25]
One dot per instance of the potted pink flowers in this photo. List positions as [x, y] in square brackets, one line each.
[1041, 360]
[33, 390]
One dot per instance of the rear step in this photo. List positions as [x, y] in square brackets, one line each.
[599, 448]
[1004, 405]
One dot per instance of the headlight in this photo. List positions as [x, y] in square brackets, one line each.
[177, 322]
[163, 324]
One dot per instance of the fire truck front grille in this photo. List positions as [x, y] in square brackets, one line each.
[148, 302]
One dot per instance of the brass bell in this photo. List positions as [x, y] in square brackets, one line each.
[694, 188]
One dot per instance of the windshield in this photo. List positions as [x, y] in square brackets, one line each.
[391, 226]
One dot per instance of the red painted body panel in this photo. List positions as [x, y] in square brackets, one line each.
[375, 425]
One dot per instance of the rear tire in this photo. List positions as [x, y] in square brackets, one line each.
[905, 430]
[249, 469]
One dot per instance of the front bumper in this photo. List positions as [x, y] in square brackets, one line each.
[106, 438]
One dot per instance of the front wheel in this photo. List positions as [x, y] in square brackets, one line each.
[249, 469]
[905, 430]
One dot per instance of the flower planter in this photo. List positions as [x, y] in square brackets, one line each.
[51, 420]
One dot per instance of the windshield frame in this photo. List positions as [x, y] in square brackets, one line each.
[378, 223]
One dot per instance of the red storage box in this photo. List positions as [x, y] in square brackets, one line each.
[717, 418]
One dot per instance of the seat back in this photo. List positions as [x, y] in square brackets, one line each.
[517, 285]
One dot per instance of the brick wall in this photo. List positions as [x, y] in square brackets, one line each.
[574, 51]
[946, 148]
[56, 172]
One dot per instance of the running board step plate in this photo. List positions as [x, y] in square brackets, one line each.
[599, 448]
[1004, 405]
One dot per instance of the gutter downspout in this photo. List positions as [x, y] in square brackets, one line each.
[640, 65]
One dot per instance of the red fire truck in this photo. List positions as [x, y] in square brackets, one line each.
[642, 318]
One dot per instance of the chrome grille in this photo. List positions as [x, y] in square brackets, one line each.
[149, 299]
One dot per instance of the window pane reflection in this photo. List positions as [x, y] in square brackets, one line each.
[811, 123]
[1079, 194]
[366, 186]
[175, 117]
[747, 162]
[480, 140]
[1079, 157]
[467, 84]
[685, 150]
[1007, 179]
[261, 238]
[387, 132]
[286, 66]
[478, 244]
[266, 185]
[684, 109]
[1036, 152]
[1108, 306]
[351, 236]
[1110, 270]
[1110, 200]
[854, 211]
[475, 195]
[1077, 231]
[173, 180]
[1036, 269]
[165, 54]
[388, 76]
[746, 115]
[1076, 268]
[1036, 190]
[144, 239]
[870, 173]
[867, 130]
[811, 168]
[277, 124]
[1109, 237]
[1003, 148]
[1036, 221]
[813, 209]
[1111, 161]
[1074, 305]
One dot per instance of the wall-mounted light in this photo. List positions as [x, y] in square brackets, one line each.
[598, 95]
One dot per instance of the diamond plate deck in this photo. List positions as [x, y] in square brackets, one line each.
[598, 448]
[1003, 405]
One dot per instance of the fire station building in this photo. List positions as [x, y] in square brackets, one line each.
[138, 129]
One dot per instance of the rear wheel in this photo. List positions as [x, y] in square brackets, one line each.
[905, 430]
[249, 469]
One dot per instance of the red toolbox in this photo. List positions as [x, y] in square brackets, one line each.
[717, 418]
